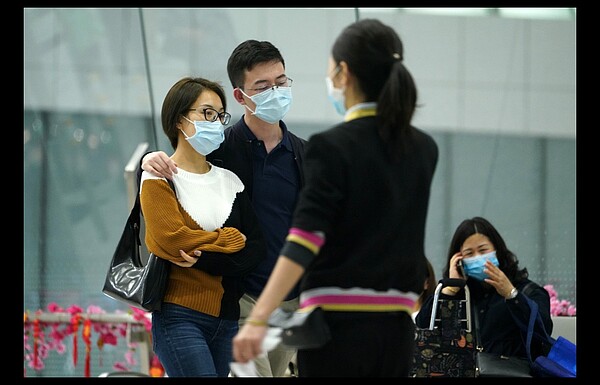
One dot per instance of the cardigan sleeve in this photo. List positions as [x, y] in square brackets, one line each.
[166, 229]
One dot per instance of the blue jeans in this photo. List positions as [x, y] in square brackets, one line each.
[192, 344]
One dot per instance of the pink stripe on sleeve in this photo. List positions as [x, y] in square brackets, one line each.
[357, 300]
[311, 237]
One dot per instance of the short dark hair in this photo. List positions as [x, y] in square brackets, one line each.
[246, 56]
[180, 99]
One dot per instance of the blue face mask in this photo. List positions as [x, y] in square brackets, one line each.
[271, 105]
[208, 136]
[474, 265]
[336, 96]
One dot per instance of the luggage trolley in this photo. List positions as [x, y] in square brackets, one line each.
[461, 303]
[447, 348]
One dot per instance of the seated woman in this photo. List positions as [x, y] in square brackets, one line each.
[497, 287]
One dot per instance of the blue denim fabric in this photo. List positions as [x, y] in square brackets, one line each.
[192, 344]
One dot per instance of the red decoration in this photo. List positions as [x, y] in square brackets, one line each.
[36, 337]
[75, 318]
[86, 335]
[36, 349]
[156, 368]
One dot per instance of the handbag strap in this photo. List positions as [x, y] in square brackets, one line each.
[533, 307]
[534, 318]
[137, 206]
[136, 211]
[475, 314]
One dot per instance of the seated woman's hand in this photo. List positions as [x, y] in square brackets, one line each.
[454, 269]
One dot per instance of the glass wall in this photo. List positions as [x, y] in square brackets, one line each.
[94, 80]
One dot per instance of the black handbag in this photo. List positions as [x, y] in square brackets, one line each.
[303, 329]
[496, 365]
[128, 279]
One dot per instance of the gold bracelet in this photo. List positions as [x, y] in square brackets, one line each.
[256, 322]
[453, 289]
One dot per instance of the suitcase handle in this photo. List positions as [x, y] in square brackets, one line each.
[456, 282]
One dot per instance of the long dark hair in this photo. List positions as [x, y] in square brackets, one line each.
[431, 284]
[507, 260]
[374, 54]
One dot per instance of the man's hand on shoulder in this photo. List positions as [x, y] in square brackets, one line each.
[160, 164]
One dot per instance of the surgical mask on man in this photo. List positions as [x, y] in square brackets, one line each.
[474, 265]
[208, 136]
[336, 96]
[272, 104]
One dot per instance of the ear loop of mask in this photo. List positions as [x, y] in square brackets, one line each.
[246, 105]
[181, 129]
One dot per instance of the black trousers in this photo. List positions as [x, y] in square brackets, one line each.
[363, 344]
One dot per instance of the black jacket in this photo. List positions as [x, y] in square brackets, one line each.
[372, 210]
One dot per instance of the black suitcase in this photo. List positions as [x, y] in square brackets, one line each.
[447, 348]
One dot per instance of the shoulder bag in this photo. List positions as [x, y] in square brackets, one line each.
[497, 365]
[128, 279]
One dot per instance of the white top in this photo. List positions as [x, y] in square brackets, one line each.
[208, 198]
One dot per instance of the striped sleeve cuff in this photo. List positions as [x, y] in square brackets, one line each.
[311, 241]
[302, 246]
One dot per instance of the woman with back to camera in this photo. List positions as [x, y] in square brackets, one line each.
[357, 237]
[207, 229]
[497, 287]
